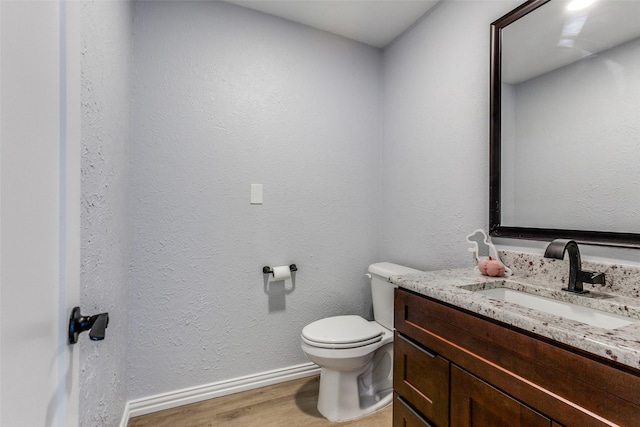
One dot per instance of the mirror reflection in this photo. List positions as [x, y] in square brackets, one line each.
[570, 118]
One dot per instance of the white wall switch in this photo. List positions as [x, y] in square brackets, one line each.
[256, 194]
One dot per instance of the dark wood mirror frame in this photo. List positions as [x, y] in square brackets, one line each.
[495, 228]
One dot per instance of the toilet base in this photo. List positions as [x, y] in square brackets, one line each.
[345, 395]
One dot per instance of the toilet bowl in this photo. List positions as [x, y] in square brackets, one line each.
[356, 355]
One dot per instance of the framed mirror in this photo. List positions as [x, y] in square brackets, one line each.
[565, 122]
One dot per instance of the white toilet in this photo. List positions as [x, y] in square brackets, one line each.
[356, 355]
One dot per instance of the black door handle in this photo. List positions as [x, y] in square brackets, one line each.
[95, 324]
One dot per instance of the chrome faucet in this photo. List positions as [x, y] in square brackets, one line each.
[557, 248]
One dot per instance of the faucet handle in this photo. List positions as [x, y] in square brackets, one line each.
[592, 277]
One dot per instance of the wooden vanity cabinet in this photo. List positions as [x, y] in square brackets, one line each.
[456, 368]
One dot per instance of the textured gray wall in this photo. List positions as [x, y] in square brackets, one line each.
[225, 97]
[436, 131]
[105, 216]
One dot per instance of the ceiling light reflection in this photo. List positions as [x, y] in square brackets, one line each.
[580, 4]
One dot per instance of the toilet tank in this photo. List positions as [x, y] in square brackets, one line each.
[382, 290]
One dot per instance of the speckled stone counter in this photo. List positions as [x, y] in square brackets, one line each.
[545, 277]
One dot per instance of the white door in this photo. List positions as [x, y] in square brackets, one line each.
[39, 211]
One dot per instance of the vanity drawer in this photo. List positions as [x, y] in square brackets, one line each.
[405, 416]
[421, 377]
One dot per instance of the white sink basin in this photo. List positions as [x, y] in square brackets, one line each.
[590, 316]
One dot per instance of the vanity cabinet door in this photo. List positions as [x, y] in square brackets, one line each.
[475, 403]
[421, 377]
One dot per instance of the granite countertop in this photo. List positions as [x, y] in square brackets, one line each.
[621, 344]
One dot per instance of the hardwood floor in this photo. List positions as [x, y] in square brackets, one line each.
[287, 404]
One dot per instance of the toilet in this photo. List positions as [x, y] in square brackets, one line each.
[356, 355]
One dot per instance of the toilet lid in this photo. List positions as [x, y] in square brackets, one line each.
[341, 332]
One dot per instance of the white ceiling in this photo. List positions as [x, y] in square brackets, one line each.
[374, 22]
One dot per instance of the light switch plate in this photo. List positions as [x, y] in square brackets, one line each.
[256, 194]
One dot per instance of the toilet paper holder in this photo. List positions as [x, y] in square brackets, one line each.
[268, 270]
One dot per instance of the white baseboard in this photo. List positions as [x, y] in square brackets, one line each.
[159, 402]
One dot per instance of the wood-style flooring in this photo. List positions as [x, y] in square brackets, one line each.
[291, 403]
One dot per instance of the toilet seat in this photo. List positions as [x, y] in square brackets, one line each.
[342, 332]
[341, 346]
